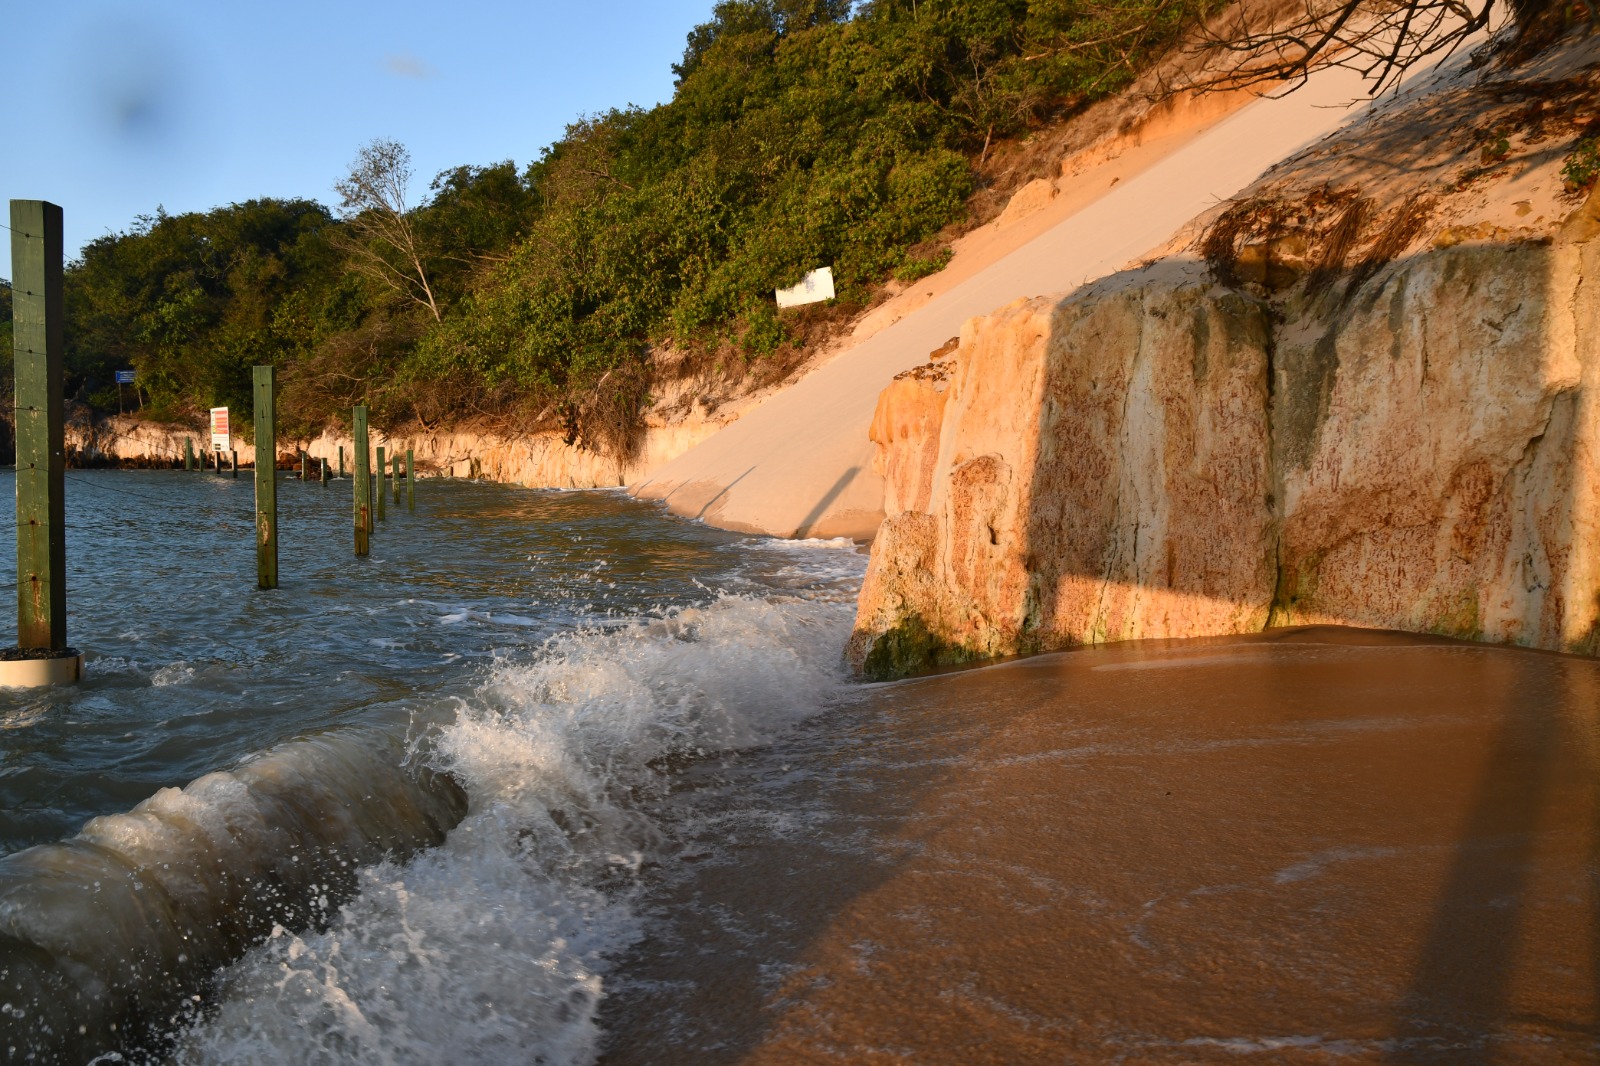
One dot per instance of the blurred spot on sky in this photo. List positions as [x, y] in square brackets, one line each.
[136, 88]
[407, 66]
[118, 106]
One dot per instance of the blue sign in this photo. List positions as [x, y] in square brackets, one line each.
[124, 377]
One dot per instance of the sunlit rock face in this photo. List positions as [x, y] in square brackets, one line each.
[1436, 446]
[1162, 455]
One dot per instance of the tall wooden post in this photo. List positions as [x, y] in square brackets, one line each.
[266, 478]
[38, 353]
[411, 480]
[341, 460]
[324, 471]
[188, 453]
[379, 488]
[397, 476]
[233, 462]
[363, 488]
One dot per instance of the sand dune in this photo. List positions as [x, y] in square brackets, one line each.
[799, 464]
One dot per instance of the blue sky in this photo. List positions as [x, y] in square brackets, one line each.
[115, 108]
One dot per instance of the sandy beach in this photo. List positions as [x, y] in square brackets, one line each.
[1313, 845]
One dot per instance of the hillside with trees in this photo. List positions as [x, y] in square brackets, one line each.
[800, 133]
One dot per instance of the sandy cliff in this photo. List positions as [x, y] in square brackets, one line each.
[543, 459]
[800, 463]
[1364, 391]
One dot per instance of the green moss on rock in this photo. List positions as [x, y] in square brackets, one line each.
[912, 648]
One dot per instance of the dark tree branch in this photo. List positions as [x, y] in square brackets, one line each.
[1379, 39]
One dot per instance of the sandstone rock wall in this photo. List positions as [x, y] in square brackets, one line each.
[1159, 455]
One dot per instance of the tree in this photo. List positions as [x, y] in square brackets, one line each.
[1380, 40]
[379, 237]
[6, 354]
[769, 18]
[476, 214]
[801, 132]
[193, 301]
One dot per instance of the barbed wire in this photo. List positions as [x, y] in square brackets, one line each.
[146, 496]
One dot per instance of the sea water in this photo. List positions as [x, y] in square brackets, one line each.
[395, 810]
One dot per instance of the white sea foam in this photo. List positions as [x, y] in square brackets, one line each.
[103, 665]
[106, 933]
[178, 673]
[493, 948]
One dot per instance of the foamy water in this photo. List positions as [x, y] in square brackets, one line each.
[493, 947]
[439, 875]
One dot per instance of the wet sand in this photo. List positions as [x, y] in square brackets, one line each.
[1314, 845]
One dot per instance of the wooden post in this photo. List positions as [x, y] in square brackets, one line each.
[397, 476]
[266, 478]
[411, 480]
[324, 472]
[188, 453]
[379, 487]
[341, 461]
[233, 463]
[363, 488]
[38, 351]
[305, 470]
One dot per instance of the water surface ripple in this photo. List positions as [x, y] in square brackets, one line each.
[391, 811]
[190, 667]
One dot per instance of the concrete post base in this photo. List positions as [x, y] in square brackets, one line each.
[38, 673]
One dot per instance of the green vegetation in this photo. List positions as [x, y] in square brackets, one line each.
[1583, 165]
[801, 133]
[6, 354]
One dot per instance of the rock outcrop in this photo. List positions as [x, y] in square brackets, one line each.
[1364, 391]
[1160, 455]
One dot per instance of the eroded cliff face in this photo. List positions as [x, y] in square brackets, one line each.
[1161, 455]
[541, 459]
[1436, 450]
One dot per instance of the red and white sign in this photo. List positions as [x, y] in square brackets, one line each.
[221, 439]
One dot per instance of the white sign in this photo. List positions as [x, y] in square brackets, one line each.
[221, 440]
[814, 287]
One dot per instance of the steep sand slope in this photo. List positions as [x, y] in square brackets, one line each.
[801, 464]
